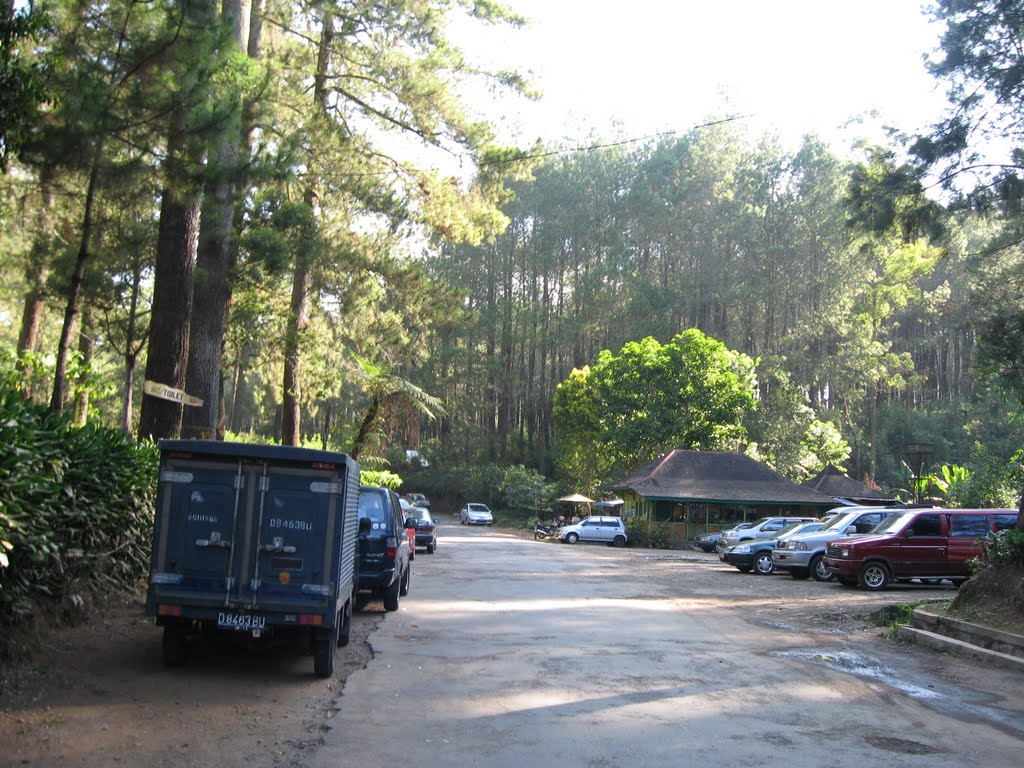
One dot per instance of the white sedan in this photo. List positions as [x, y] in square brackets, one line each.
[476, 514]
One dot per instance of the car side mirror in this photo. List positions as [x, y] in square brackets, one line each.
[364, 526]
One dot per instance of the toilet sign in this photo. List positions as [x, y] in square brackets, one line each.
[165, 392]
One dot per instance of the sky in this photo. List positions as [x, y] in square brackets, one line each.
[634, 68]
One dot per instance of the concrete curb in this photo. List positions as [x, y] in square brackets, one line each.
[994, 646]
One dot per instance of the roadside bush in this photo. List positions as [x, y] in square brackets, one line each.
[642, 533]
[1001, 549]
[76, 510]
[525, 490]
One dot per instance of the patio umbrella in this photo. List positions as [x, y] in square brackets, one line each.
[576, 498]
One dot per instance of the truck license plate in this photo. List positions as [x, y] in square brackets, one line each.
[241, 621]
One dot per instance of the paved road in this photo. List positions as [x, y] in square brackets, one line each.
[519, 654]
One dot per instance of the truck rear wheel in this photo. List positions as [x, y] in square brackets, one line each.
[325, 642]
[345, 623]
[174, 646]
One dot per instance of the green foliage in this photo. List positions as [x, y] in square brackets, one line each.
[381, 478]
[646, 534]
[785, 433]
[75, 509]
[650, 398]
[993, 481]
[525, 490]
[22, 74]
[581, 454]
[1002, 549]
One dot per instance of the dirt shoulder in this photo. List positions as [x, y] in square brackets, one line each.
[98, 694]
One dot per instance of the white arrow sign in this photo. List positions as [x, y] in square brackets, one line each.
[169, 393]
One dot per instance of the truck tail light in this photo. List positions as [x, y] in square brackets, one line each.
[391, 546]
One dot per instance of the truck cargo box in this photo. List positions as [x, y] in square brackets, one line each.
[254, 539]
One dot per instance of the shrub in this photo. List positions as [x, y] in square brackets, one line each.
[76, 509]
[643, 533]
[1001, 549]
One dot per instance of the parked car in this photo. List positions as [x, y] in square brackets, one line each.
[802, 555]
[476, 514]
[921, 544]
[426, 530]
[756, 554]
[417, 499]
[707, 541]
[605, 529]
[765, 525]
[385, 567]
[410, 526]
[716, 537]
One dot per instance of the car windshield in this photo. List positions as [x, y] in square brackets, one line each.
[844, 521]
[423, 516]
[478, 508]
[894, 524]
[840, 523]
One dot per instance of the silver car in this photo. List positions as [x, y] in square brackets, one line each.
[604, 529]
[761, 529]
[802, 555]
[476, 514]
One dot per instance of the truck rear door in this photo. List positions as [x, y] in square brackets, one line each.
[288, 550]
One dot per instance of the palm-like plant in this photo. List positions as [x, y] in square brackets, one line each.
[397, 406]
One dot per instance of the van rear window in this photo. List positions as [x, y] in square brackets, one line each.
[970, 526]
[1005, 521]
[371, 505]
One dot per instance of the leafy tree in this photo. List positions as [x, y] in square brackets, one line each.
[581, 454]
[23, 86]
[690, 393]
[525, 490]
[784, 431]
[982, 59]
[396, 406]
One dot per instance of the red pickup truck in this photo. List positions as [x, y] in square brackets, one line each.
[929, 543]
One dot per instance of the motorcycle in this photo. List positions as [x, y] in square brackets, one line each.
[545, 531]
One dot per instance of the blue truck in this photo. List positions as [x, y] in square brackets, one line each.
[254, 540]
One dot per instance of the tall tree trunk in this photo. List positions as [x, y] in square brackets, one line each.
[75, 287]
[212, 297]
[240, 390]
[290, 415]
[177, 242]
[36, 272]
[86, 346]
[131, 348]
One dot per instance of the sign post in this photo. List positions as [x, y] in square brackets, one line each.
[165, 392]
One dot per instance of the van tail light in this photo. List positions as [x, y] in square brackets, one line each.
[391, 546]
